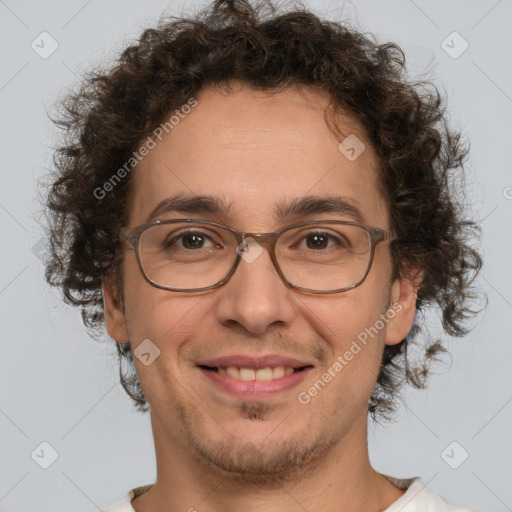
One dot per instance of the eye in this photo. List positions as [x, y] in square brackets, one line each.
[193, 240]
[319, 241]
[189, 240]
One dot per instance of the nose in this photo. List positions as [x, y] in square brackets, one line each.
[255, 298]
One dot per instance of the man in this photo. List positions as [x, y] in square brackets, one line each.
[255, 206]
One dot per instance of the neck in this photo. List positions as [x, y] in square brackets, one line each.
[342, 479]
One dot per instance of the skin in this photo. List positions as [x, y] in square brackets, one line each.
[216, 452]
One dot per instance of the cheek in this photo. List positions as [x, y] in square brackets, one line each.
[166, 318]
[356, 338]
[342, 319]
[160, 316]
[150, 312]
[353, 326]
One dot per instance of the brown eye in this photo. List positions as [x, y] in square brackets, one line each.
[188, 240]
[193, 241]
[317, 241]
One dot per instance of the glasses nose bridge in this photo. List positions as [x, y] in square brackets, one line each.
[267, 240]
[264, 239]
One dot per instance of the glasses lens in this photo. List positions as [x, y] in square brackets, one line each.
[187, 255]
[324, 257]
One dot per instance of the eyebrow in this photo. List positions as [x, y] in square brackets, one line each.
[307, 205]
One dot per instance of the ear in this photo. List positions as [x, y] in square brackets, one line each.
[115, 321]
[403, 303]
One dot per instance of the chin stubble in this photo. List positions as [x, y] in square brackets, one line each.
[247, 463]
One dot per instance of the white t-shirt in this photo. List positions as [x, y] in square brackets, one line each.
[417, 498]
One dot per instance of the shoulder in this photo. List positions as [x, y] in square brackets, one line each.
[125, 504]
[418, 498]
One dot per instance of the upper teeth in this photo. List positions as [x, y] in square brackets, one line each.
[268, 373]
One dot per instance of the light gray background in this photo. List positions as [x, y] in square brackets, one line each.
[61, 387]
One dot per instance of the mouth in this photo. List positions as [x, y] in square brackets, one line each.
[261, 374]
[254, 378]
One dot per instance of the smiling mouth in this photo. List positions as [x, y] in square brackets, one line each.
[261, 374]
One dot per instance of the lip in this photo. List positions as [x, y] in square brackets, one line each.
[255, 389]
[255, 363]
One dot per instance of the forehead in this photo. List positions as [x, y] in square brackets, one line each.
[258, 151]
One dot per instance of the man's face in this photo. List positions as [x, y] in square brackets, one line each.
[256, 152]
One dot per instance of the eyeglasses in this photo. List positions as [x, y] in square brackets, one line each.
[190, 255]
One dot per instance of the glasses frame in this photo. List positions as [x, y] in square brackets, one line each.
[132, 236]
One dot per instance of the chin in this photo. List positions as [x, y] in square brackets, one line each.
[261, 461]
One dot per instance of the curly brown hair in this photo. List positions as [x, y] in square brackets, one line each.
[420, 158]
